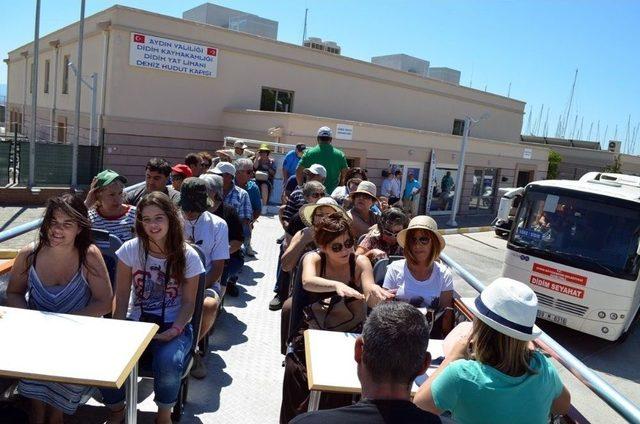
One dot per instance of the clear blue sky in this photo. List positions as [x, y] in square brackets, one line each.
[534, 44]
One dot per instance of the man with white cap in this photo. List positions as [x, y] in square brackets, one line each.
[236, 197]
[332, 158]
[239, 151]
[492, 373]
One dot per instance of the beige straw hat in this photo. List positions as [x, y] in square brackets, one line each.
[366, 187]
[421, 222]
[306, 211]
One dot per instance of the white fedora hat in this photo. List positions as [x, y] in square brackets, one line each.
[509, 307]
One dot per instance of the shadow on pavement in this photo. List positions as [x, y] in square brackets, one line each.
[204, 395]
[12, 218]
[229, 331]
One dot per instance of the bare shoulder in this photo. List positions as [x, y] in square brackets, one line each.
[94, 257]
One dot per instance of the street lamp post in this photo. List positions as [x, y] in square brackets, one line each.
[93, 118]
[468, 121]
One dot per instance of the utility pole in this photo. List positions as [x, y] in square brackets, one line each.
[34, 99]
[76, 141]
[304, 31]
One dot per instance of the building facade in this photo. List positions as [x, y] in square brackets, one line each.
[169, 86]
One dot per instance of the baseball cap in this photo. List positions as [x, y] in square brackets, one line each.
[239, 144]
[108, 176]
[317, 169]
[183, 169]
[224, 168]
[193, 195]
[301, 147]
[325, 132]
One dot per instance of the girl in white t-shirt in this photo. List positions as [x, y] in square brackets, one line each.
[157, 281]
[420, 279]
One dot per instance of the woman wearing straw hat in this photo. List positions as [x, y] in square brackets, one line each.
[493, 374]
[421, 279]
[265, 168]
[362, 199]
[302, 242]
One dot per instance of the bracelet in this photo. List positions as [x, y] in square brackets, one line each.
[175, 327]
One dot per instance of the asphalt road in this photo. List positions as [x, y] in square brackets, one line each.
[482, 254]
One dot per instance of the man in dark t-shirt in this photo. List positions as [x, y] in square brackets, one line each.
[390, 353]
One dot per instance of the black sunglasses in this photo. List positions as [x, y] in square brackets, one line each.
[424, 240]
[337, 247]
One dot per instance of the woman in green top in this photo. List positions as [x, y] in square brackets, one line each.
[493, 375]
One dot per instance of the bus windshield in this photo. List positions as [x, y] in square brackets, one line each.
[583, 230]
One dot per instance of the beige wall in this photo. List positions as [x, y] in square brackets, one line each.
[324, 84]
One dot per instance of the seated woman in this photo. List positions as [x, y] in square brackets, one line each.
[301, 243]
[493, 374]
[352, 178]
[381, 241]
[63, 272]
[333, 272]
[265, 168]
[106, 208]
[421, 279]
[144, 293]
[361, 214]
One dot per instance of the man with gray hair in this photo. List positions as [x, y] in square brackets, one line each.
[245, 180]
[390, 353]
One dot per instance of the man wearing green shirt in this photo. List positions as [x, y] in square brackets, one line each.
[333, 159]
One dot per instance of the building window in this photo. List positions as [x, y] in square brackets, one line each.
[47, 66]
[62, 130]
[276, 100]
[65, 75]
[458, 127]
[31, 80]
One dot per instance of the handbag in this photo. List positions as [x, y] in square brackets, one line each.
[337, 313]
[262, 176]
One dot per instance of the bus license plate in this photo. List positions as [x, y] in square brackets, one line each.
[553, 318]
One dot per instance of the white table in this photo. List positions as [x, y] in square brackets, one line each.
[331, 366]
[73, 349]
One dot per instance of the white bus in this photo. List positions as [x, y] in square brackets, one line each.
[576, 243]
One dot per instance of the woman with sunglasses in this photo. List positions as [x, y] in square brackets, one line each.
[421, 279]
[381, 241]
[265, 168]
[333, 272]
[363, 198]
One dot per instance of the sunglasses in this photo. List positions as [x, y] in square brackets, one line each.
[317, 195]
[337, 247]
[424, 240]
[390, 233]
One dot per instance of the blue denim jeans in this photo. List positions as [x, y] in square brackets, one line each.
[168, 363]
[232, 267]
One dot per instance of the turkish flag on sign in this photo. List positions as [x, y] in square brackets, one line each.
[211, 51]
[138, 38]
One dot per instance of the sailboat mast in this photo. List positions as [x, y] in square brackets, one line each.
[573, 88]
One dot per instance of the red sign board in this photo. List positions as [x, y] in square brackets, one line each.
[211, 51]
[138, 38]
[568, 277]
[560, 288]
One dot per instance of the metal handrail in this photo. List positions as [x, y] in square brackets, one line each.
[32, 225]
[595, 383]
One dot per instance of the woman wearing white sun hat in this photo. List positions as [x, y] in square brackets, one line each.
[492, 374]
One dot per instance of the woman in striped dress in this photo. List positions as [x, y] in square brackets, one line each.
[63, 272]
[106, 208]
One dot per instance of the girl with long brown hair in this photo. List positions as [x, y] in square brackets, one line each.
[157, 281]
[62, 272]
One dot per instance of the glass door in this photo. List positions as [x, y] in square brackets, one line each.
[482, 192]
[415, 169]
[443, 190]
